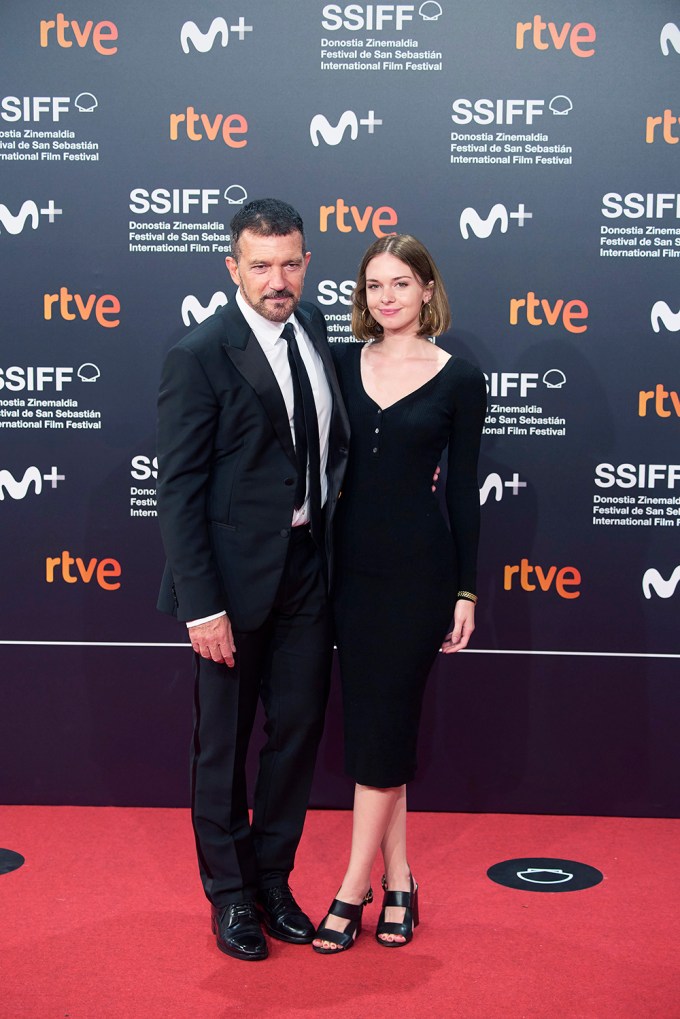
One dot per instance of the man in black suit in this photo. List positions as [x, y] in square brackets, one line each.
[243, 466]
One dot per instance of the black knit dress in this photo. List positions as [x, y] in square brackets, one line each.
[398, 566]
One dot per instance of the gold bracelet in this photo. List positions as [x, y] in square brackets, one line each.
[468, 596]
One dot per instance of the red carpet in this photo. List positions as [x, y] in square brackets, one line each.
[107, 919]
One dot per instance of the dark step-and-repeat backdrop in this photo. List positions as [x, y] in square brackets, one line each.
[534, 148]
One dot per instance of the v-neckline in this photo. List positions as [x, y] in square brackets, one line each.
[406, 396]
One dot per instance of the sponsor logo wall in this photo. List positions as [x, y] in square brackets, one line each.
[536, 154]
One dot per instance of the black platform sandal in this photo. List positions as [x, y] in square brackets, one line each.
[343, 939]
[408, 901]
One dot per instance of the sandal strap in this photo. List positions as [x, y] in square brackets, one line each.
[341, 938]
[346, 910]
[402, 899]
[384, 927]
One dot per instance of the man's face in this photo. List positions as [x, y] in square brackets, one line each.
[270, 272]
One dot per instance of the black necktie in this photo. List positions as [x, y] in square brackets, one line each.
[306, 428]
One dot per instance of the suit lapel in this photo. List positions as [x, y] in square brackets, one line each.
[249, 359]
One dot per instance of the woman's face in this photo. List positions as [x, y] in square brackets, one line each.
[394, 295]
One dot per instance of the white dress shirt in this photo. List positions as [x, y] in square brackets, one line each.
[275, 349]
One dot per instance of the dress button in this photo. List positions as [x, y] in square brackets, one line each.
[289, 481]
[375, 449]
[377, 430]
[284, 532]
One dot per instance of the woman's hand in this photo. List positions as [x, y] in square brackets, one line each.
[463, 627]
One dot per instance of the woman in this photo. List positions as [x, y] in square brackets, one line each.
[402, 575]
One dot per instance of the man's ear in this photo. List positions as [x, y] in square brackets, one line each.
[232, 266]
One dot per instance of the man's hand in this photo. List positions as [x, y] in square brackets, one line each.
[214, 640]
[435, 478]
[463, 626]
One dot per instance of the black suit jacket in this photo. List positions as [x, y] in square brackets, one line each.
[227, 470]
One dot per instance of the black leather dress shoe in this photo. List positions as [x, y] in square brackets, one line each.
[238, 931]
[283, 918]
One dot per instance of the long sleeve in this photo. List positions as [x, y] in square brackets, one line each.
[187, 419]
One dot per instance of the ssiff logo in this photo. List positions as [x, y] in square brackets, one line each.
[374, 17]
[192, 307]
[320, 126]
[31, 109]
[580, 36]
[654, 581]
[470, 220]
[670, 37]
[662, 314]
[102, 35]
[29, 212]
[104, 571]
[18, 489]
[191, 35]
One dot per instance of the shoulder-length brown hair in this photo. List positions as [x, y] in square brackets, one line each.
[436, 314]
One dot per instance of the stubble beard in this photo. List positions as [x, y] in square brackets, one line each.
[273, 311]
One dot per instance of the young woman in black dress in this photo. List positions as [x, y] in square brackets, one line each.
[405, 583]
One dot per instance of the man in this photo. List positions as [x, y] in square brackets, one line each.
[246, 460]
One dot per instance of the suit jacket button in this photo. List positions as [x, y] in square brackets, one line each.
[289, 481]
[284, 533]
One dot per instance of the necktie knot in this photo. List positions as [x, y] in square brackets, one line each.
[288, 333]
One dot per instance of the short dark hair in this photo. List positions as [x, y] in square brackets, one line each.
[413, 253]
[268, 217]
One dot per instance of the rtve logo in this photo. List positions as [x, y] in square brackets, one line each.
[229, 127]
[653, 580]
[373, 17]
[18, 489]
[563, 579]
[105, 307]
[102, 35]
[144, 467]
[660, 400]
[494, 483]
[665, 122]
[470, 220]
[663, 315]
[103, 571]
[320, 126]
[31, 109]
[379, 219]
[579, 36]
[29, 212]
[191, 35]
[192, 307]
[531, 308]
[670, 36]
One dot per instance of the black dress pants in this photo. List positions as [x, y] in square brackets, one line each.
[286, 663]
